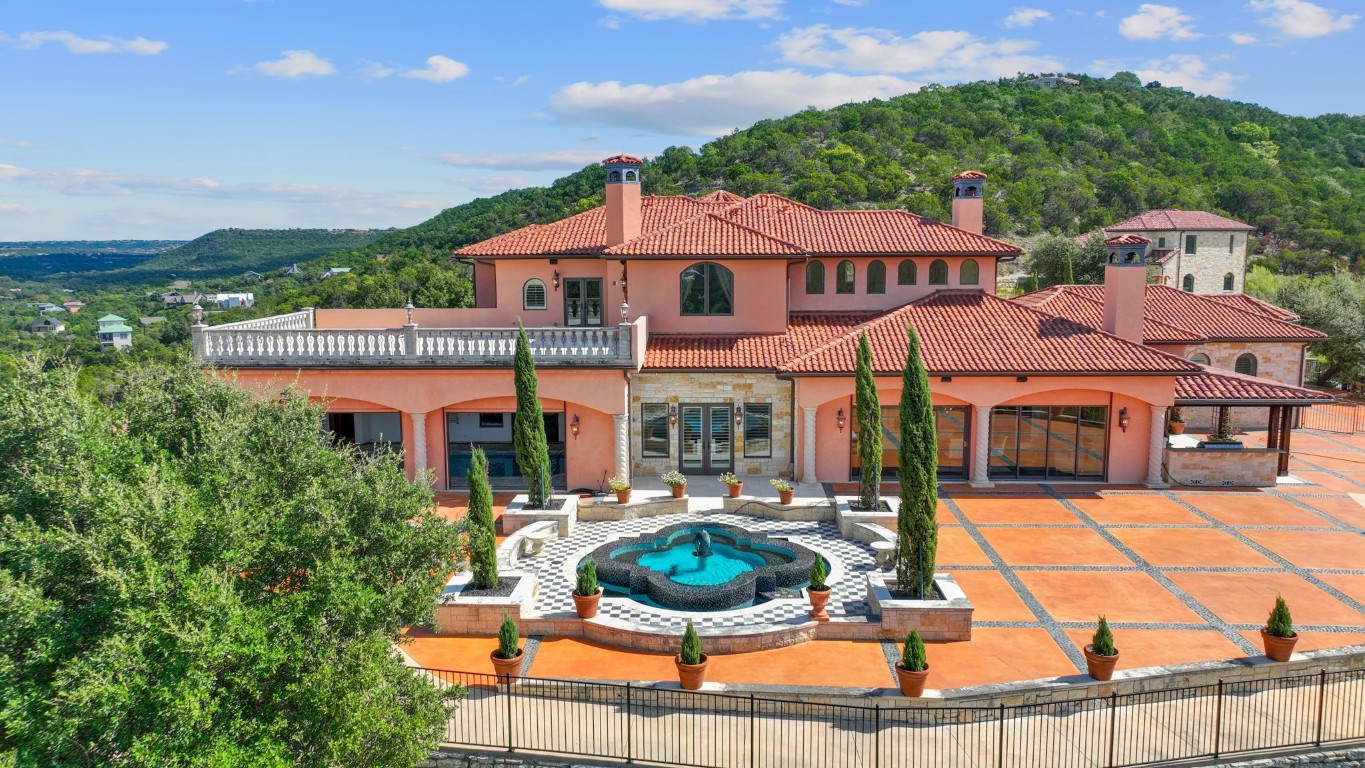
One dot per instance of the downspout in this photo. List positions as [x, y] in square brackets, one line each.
[791, 433]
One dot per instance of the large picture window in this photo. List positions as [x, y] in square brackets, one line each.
[950, 422]
[654, 430]
[1048, 441]
[707, 289]
[758, 430]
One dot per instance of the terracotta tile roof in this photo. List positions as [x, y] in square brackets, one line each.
[1089, 311]
[970, 175]
[1253, 304]
[1128, 239]
[1205, 317]
[805, 331]
[720, 196]
[703, 236]
[584, 233]
[1160, 256]
[1170, 218]
[623, 159]
[1217, 385]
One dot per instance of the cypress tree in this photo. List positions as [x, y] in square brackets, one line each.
[868, 412]
[918, 475]
[483, 542]
[528, 426]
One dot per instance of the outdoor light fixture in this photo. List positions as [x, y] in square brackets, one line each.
[409, 308]
[739, 414]
[555, 280]
[625, 313]
[573, 426]
[1124, 419]
[839, 417]
[672, 415]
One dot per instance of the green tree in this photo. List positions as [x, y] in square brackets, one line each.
[868, 412]
[193, 577]
[1055, 260]
[479, 527]
[916, 520]
[528, 425]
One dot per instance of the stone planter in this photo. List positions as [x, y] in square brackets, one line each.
[911, 683]
[1278, 648]
[586, 607]
[938, 621]
[507, 667]
[678, 490]
[819, 598]
[736, 489]
[691, 676]
[1100, 667]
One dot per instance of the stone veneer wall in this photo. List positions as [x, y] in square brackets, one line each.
[1249, 468]
[1209, 262]
[705, 387]
[1278, 361]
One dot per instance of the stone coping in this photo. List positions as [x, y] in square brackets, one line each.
[800, 509]
[453, 593]
[596, 509]
[849, 520]
[516, 515]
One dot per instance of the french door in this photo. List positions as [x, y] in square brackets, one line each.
[582, 302]
[707, 447]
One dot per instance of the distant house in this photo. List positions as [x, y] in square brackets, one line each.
[47, 325]
[1052, 81]
[73, 306]
[43, 306]
[252, 276]
[177, 298]
[334, 271]
[1194, 251]
[153, 320]
[231, 300]
[292, 269]
[113, 333]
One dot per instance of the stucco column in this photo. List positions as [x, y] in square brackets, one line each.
[981, 447]
[622, 425]
[1156, 449]
[417, 452]
[808, 444]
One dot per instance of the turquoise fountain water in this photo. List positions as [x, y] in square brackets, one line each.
[679, 559]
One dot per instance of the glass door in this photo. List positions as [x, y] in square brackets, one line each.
[582, 302]
[706, 437]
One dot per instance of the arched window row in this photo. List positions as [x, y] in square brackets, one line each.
[907, 273]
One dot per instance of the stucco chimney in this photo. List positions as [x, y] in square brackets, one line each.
[969, 189]
[1125, 285]
[623, 198]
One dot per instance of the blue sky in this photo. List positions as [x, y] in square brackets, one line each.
[169, 118]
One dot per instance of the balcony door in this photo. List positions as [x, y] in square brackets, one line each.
[707, 447]
[582, 302]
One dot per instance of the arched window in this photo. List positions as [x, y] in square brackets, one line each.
[706, 289]
[1200, 358]
[1188, 283]
[971, 273]
[876, 277]
[533, 295]
[1227, 281]
[844, 277]
[815, 277]
[614, 176]
[905, 273]
[630, 175]
[1246, 364]
[938, 272]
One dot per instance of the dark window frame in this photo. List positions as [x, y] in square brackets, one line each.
[851, 284]
[660, 412]
[962, 273]
[708, 270]
[901, 272]
[1247, 364]
[815, 275]
[1191, 244]
[876, 276]
[938, 272]
[752, 409]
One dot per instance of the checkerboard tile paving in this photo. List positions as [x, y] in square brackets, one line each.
[848, 603]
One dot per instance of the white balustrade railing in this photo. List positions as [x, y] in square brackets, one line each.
[292, 321]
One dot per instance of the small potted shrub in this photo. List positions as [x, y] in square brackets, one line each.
[587, 593]
[818, 591]
[913, 668]
[732, 483]
[622, 488]
[507, 658]
[1101, 656]
[1278, 635]
[690, 661]
[676, 482]
[1177, 422]
[784, 490]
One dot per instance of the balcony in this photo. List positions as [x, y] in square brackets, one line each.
[295, 340]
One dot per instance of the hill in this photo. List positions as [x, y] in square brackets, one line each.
[225, 252]
[39, 259]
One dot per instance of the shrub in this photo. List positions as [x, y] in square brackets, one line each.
[673, 478]
[730, 478]
[508, 638]
[780, 485]
[691, 646]
[1102, 643]
[913, 656]
[587, 579]
[1280, 624]
[619, 484]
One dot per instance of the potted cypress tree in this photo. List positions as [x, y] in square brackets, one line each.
[1278, 635]
[587, 593]
[1101, 656]
[690, 661]
[818, 591]
[507, 658]
[913, 668]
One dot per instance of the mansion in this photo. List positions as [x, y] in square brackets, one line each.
[718, 333]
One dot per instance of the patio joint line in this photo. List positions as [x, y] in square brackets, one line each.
[1305, 506]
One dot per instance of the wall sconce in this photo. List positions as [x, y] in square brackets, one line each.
[555, 280]
[672, 415]
[625, 313]
[839, 417]
[739, 414]
[573, 426]
[1124, 419]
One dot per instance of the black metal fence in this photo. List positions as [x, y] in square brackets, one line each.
[1343, 417]
[724, 730]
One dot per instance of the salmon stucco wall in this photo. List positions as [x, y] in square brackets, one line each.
[760, 297]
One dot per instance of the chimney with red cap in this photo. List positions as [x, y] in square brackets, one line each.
[623, 198]
[1125, 285]
[968, 193]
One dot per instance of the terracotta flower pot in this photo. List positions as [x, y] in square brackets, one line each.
[786, 496]
[736, 489]
[587, 606]
[623, 497]
[912, 683]
[691, 676]
[1177, 427]
[678, 490]
[505, 667]
[818, 599]
[1278, 648]
[1100, 667]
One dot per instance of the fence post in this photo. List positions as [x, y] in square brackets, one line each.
[1000, 738]
[1322, 693]
[877, 735]
[1113, 723]
[1218, 722]
[630, 751]
[753, 742]
[508, 694]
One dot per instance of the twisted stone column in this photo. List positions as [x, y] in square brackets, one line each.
[1156, 450]
[417, 456]
[808, 444]
[622, 427]
[981, 447]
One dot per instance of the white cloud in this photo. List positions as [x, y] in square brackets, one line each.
[19, 143]
[521, 80]
[852, 3]
[1158, 22]
[936, 55]
[712, 105]
[1190, 72]
[296, 64]
[1026, 17]
[695, 10]
[491, 185]
[610, 22]
[1242, 38]
[14, 209]
[439, 69]
[1300, 18]
[373, 70]
[566, 159]
[138, 46]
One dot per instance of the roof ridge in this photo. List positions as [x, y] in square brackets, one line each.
[699, 217]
